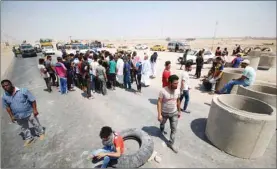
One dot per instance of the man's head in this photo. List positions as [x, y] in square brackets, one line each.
[95, 57]
[41, 61]
[129, 56]
[85, 58]
[218, 59]
[7, 86]
[105, 133]
[218, 48]
[245, 63]
[49, 57]
[59, 59]
[167, 65]
[173, 82]
[100, 62]
[225, 49]
[71, 55]
[145, 57]
[134, 53]
[188, 66]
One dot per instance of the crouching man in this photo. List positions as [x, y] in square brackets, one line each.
[113, 146]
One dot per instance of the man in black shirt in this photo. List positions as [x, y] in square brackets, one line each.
[68, 64]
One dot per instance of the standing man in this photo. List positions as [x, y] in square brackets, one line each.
[184, 60]
[119, 70]
[61, 72]
[44, 74]
[153, 60]
[138, 73]
[100, 73]
[86, 77]
[199, 64]
[146, 71]
[166, 73]
[169, 108]
[218, 51]
[112, 71]
[22, 108]
[247, 78]
[50, 66]
[93, 65]
[185, 86]
[69, 66]
[127, 73]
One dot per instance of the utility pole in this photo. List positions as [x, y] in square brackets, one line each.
[216, 23]
[69, 39]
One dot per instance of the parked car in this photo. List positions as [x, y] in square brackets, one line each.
[192, 54]
[158, 48]
[141, 47]
[110, 46]
[27, 50]
[48, 50]
[181, 46]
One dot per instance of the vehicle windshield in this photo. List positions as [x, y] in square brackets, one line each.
[26, 46]
[83, 47]
[192, 52]
[48, 47]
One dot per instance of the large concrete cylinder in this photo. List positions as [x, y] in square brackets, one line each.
[240, 126]
[262, 92]
[254, 58]
[267, 60]
[227, 75]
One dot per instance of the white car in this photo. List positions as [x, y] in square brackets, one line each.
[141, 47]
[208, 55]
[48, 50]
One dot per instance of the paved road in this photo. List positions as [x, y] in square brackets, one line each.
[73, 123]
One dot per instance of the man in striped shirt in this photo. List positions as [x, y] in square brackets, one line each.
[22, 108]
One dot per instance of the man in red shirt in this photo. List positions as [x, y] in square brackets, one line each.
[113, 146]
[166, 73]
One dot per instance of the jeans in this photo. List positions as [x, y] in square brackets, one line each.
[107, 159]
[63, 85]
[173, 120]
[103, 86]
[25, 128]
[92, 78]
[127, 81]
[53, 78]
[186, 95]
[229, 86]
[48, 84]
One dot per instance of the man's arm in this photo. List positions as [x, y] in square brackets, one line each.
[32, 99]
[9, 110]
[159, 107]
[116, 154]
[178, 105]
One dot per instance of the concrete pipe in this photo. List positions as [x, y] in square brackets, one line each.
[240, 126]
[254, 58]
[267, 61]
[262, 92]
[227, 75]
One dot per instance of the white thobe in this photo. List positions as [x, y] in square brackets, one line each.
[146, 72]
[120, 67]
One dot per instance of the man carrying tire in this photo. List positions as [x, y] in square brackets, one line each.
[169, 108]
[113, 146]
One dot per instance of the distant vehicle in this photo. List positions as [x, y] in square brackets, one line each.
[122, 48]
[83, 48]
[96, 44]
[27, 50]
[141, 47]
[176, 46]
[110, 46]
[158, 48]
[48, 50]
[37, 48]
[192, 54]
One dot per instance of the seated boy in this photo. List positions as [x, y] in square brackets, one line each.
[113, 146]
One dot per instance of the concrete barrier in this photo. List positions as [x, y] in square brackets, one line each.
[254, 58]
[227, 75]
[240, 126]
[267, 61]
[262, 92]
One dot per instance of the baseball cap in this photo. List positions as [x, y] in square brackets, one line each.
[246, 61]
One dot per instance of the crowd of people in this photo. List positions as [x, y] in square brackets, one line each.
[97, 71]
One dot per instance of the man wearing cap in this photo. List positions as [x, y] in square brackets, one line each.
[247, 78]
[236, 62]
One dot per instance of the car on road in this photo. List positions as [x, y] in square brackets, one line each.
[182, 46]
[27, 50]
[141, 47]
[48, 50]
[208, 55]
[158, 48]
[122, 48]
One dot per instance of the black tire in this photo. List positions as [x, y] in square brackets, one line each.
[141, 156]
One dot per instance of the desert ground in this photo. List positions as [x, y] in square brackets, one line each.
[72, 129]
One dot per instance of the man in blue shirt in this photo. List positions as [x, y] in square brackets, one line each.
[236, 62]
[22, 108]
[247, 78]
[127, 73]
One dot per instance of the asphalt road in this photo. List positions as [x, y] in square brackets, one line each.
[72, 127]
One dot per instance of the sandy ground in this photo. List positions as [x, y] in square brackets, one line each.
[6, 60]
[73, 122]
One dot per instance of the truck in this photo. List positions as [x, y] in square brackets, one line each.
[47, 46]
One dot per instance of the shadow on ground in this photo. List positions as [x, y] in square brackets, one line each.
[153, 101]
[198, 127]
[155, 132]
[201, 88]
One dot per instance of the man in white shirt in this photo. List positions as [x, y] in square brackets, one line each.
[119, 68]
[185, 86]
[93, 66]
[44, 74]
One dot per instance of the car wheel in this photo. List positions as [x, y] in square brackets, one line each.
[141, 156]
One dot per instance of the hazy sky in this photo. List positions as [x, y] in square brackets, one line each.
[142, 19]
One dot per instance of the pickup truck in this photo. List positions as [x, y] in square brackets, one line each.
[27, 50]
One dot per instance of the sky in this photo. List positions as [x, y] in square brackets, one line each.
[32, 20]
